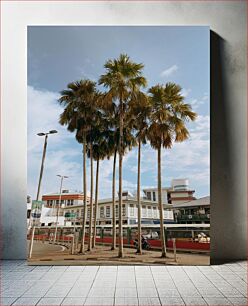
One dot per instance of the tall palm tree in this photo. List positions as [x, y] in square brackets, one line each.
[79, 99]
[100, 150]
[140, 109]
[169, 114]
[122, 77]
[111, 115]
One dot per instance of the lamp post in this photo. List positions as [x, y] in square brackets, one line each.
[39, 184]
[60, 195]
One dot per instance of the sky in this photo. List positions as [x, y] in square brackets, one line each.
[58, 55]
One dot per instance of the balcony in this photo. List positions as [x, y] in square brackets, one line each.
[205, 217]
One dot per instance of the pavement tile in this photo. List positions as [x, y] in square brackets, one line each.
[36, 292]
[167, 301]
[121, 301]
[189, 293]
[147, 292]
[12, 293]
[149, 301]
[126, 292]
[165, 284]
[100, 284]
[164, 292]
[91, 269]
[102, 292]
[210, 292]
[75, 269]
[73, 301]
[99, 301]
[217, 301]
[27, 301]
[126, 269]
[125, 283]
[58, 291]
[199, 301]
[239, 301]
[79, 291]
[59, 268]
[42, 268]
[50, 301]
[230, 292]
[7, 300]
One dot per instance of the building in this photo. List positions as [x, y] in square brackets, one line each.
[193, 212]
[178, 202]
[178, 192]
[68, 198]
[149, 212]
[51, 203]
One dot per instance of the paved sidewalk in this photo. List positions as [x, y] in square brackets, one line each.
[123, 285]
[102, 255]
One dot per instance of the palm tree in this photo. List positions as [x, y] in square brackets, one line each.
[168, 116]
[111, 115]
[78, 99]
[140, 110]
[100, 150]
[122, 77]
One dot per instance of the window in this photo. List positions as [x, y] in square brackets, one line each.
[143, 211]
[88, 213]
[57, 202]
[148, 194]
[131, 209]
[72, 202]
[149, 212]
[108, 212]
[102, 212]
[62, 201]
[154, 196]
[116, 211]
[123, 210]
[155, 215]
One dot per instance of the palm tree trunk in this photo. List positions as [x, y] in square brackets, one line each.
[85, 196]
[139, 250]
[91, 198]
[120, 182]
[160, 204]
[96, 204]
[113, 205]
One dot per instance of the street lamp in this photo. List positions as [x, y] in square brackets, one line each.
[39, 184]
[62, 177]
[43, 159]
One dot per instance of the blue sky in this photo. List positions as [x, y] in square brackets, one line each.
[58, 55]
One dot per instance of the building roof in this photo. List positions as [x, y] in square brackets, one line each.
[204, 201]
[182, 191]
[155, 188]
[132, 199]
[64, 195]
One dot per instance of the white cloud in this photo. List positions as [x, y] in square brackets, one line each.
[196, 103]
[169, 71]
[64, 155]
[43, 115]
[185, 92]
[189, 159]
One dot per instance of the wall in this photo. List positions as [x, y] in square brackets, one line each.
[227, 20]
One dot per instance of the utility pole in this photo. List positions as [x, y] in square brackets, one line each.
[58, 208]
[39, 185]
